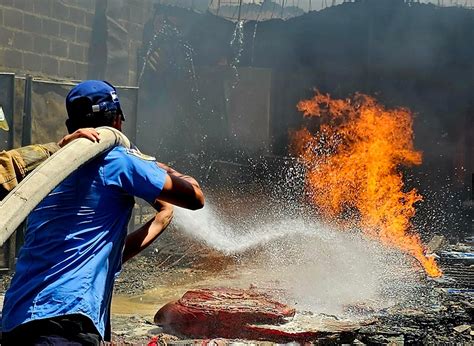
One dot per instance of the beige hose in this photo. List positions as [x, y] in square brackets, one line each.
[16, 206]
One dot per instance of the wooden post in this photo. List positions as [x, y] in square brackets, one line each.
[240, 10]
[26, 128]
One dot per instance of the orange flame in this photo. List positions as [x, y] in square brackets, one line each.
[352, 163]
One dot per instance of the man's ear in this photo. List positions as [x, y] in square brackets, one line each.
[117, 122]
[69, 125]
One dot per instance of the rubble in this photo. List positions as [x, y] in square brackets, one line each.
[430, 323]
[221, 312]
[437, 242]
[440, 316]
[462, 328]
[443, 313]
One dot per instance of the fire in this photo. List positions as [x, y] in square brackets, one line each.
[352, 162]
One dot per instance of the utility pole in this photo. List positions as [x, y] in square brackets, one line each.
[282, 8]
[240, 10]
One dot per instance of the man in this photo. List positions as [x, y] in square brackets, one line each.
[15, 164]
[76, 238]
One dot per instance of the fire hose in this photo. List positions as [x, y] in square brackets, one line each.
[18, 204]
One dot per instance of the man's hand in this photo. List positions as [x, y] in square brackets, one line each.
[145, 235]
[89, 133]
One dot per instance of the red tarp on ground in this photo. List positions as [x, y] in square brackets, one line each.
[221, 312]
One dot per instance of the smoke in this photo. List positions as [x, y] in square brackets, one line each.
[417, 56]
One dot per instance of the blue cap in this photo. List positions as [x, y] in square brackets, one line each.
[92, 97]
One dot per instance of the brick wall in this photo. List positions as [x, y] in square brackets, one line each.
[50, 38]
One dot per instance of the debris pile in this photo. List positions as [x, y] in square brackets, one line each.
[458, 263]
[221, 312]
[443, 313]
[448, 320]
[245, 314]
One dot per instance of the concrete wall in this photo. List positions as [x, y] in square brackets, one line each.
[51, 38]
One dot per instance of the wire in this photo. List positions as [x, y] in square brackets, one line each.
[273, 9]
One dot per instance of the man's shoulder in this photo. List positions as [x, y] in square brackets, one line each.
[121, 159]
[137, 153]
[119, 152]
[138, 174]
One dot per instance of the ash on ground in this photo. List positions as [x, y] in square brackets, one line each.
[443, 312]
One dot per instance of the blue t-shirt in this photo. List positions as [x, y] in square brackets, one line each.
[75, 238]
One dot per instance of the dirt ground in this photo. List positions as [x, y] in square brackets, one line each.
[176, 263]
[165, 272]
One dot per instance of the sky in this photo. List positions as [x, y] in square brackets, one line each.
[320, 4]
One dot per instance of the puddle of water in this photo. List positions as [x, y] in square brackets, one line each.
[152, 300]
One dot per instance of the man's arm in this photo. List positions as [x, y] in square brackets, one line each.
[89, 133]
[178, 189]
[15, 164]
[181, 190]
[145, 235]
